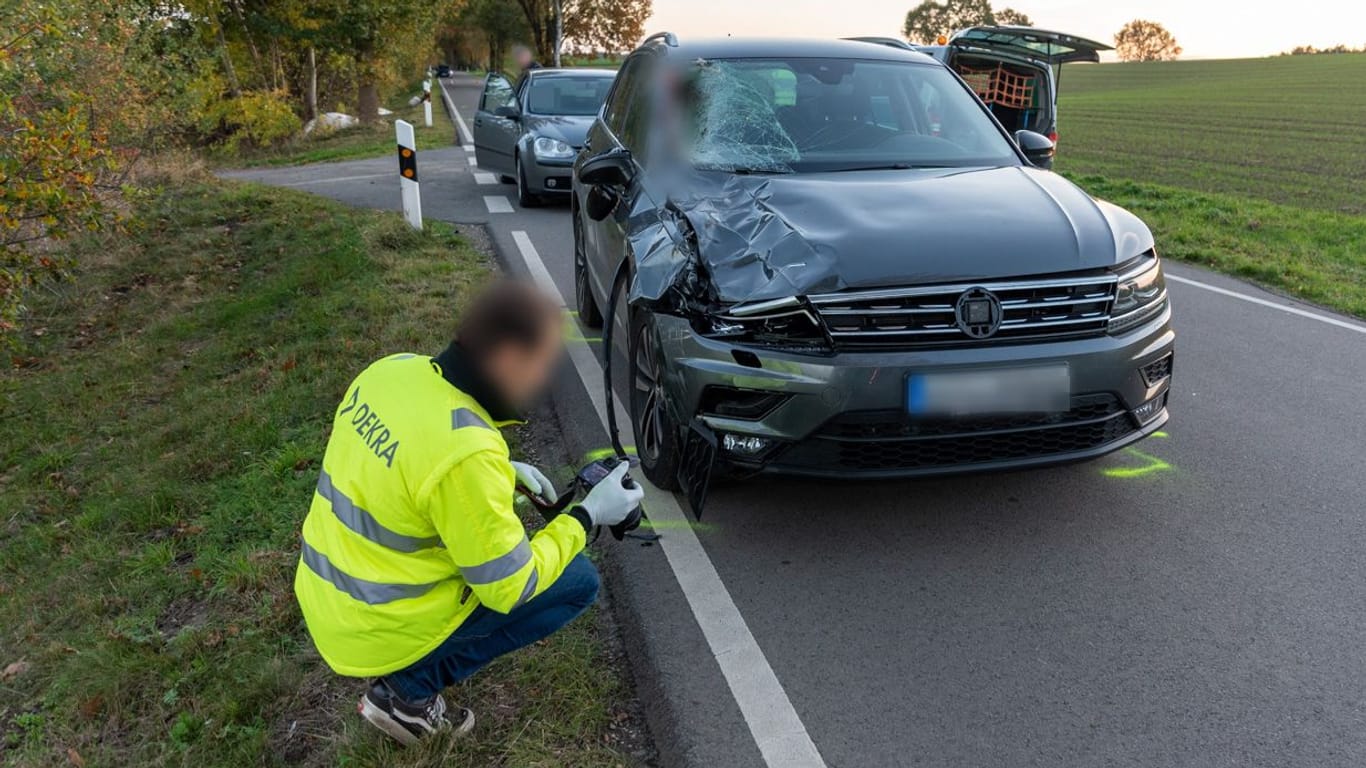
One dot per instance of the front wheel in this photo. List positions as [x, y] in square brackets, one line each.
[656, 432]
[525, 197]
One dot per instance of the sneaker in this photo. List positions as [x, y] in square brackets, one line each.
[410, 722]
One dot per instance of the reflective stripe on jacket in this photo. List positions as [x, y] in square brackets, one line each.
[412, 524]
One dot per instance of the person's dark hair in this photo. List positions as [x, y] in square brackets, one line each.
[507, 312]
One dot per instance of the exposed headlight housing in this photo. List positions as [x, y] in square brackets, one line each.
[551, 149]
[1140, 295]
[781, 323]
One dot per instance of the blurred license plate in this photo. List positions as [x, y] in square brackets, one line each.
[1041, 389]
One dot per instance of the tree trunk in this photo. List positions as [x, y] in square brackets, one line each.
[234, 87]
[367, 100]
[312, 84]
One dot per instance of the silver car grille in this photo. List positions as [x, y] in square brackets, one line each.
[930, 315]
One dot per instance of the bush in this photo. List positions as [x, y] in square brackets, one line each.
[253, 120]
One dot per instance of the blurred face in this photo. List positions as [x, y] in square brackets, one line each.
[523, 57]
[520, 374]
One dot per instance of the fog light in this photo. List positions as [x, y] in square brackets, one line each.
[744, 445]
[551, 183]
[1145, 412]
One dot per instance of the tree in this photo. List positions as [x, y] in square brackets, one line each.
[1010, 17]
[375, 34]
[614, 25]
[930, 20]
[1142, 40]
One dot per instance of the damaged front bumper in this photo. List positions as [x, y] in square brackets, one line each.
[845, 414]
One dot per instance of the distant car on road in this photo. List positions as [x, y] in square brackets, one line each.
[443, 70]
[1014, 70]
[530, 132]
[829, 257]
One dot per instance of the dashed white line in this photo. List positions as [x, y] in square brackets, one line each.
[473, 160]
[1274, 305]
[773, 722]
[481, 177]
[497, 204]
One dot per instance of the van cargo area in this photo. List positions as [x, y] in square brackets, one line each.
[1016, 93]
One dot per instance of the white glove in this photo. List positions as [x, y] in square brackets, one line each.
[534, 480]
[609, 503]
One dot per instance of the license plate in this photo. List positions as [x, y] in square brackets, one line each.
[978, 392]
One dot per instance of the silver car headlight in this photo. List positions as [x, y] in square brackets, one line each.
[552, 149]
[1140, 295]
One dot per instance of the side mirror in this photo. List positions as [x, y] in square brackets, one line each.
[610, 169]
[601, 202]
[510, 111]
[1037, 148]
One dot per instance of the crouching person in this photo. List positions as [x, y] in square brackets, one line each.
[416, 572]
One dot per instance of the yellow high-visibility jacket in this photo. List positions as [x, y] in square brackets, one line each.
[412, 524]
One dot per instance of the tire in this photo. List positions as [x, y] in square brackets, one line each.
[657, 434]
[589, 312]
[506, 179]
[525, 197]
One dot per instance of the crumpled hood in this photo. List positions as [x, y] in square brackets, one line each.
[763, 237]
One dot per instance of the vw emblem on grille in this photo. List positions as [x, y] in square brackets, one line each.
[978, 313]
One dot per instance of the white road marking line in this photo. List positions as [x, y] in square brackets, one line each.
[473, 160]
[773, 722]
[465, 137]
[468, 148]
[497, 204]
[1274, 305]
[484, 178]
[339, 179]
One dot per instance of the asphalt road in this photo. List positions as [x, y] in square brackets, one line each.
[1197, 601]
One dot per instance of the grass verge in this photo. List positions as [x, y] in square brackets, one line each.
[1313, 254]
[358, 142]
[159, 451]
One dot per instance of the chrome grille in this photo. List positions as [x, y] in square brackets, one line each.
[925, 315]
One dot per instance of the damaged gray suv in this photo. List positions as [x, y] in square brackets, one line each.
[829, 258]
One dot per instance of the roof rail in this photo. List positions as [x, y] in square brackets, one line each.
[669, 38]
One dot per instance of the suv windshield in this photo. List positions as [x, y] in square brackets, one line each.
[573, 95]
[813, 115]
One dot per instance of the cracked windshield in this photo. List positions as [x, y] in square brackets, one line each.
[808, 115]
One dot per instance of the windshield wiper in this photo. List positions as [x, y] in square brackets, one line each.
[758, 171]
[890, 167]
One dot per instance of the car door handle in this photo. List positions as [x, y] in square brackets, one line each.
[477, 121]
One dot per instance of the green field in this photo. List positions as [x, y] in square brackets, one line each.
[1289, 129]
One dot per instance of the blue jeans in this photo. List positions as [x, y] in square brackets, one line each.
[487, 634]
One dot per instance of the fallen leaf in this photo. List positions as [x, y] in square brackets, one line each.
[14, 670]
[75, 757]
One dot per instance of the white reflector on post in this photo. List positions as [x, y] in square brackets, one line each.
[427, 101]
[407, 173]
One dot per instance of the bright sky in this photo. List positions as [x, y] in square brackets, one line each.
[1207, 29]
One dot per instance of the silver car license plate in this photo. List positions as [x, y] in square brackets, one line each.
[981, 392]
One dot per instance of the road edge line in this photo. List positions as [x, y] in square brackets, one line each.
[466, 140]
[773, 722]
[1268, 303]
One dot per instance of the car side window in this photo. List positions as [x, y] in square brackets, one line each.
[635, 123]
[614, 113]
[497, 93]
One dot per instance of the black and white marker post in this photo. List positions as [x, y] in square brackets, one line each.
[427, 100]
[407, 172]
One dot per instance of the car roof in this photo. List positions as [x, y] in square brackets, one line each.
[777, 47]
[543, 71]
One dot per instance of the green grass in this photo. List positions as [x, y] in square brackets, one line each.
[358, 142]
[161, 440]
[1316, 255]
[1285, 129]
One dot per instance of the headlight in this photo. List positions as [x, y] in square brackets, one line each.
[1141, 294]
[552, 149]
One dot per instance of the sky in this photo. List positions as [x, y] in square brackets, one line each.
[1206, 29]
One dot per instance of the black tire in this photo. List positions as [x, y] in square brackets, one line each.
[657, 434]
[589, 312]
[506, 179]
[525, 197]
